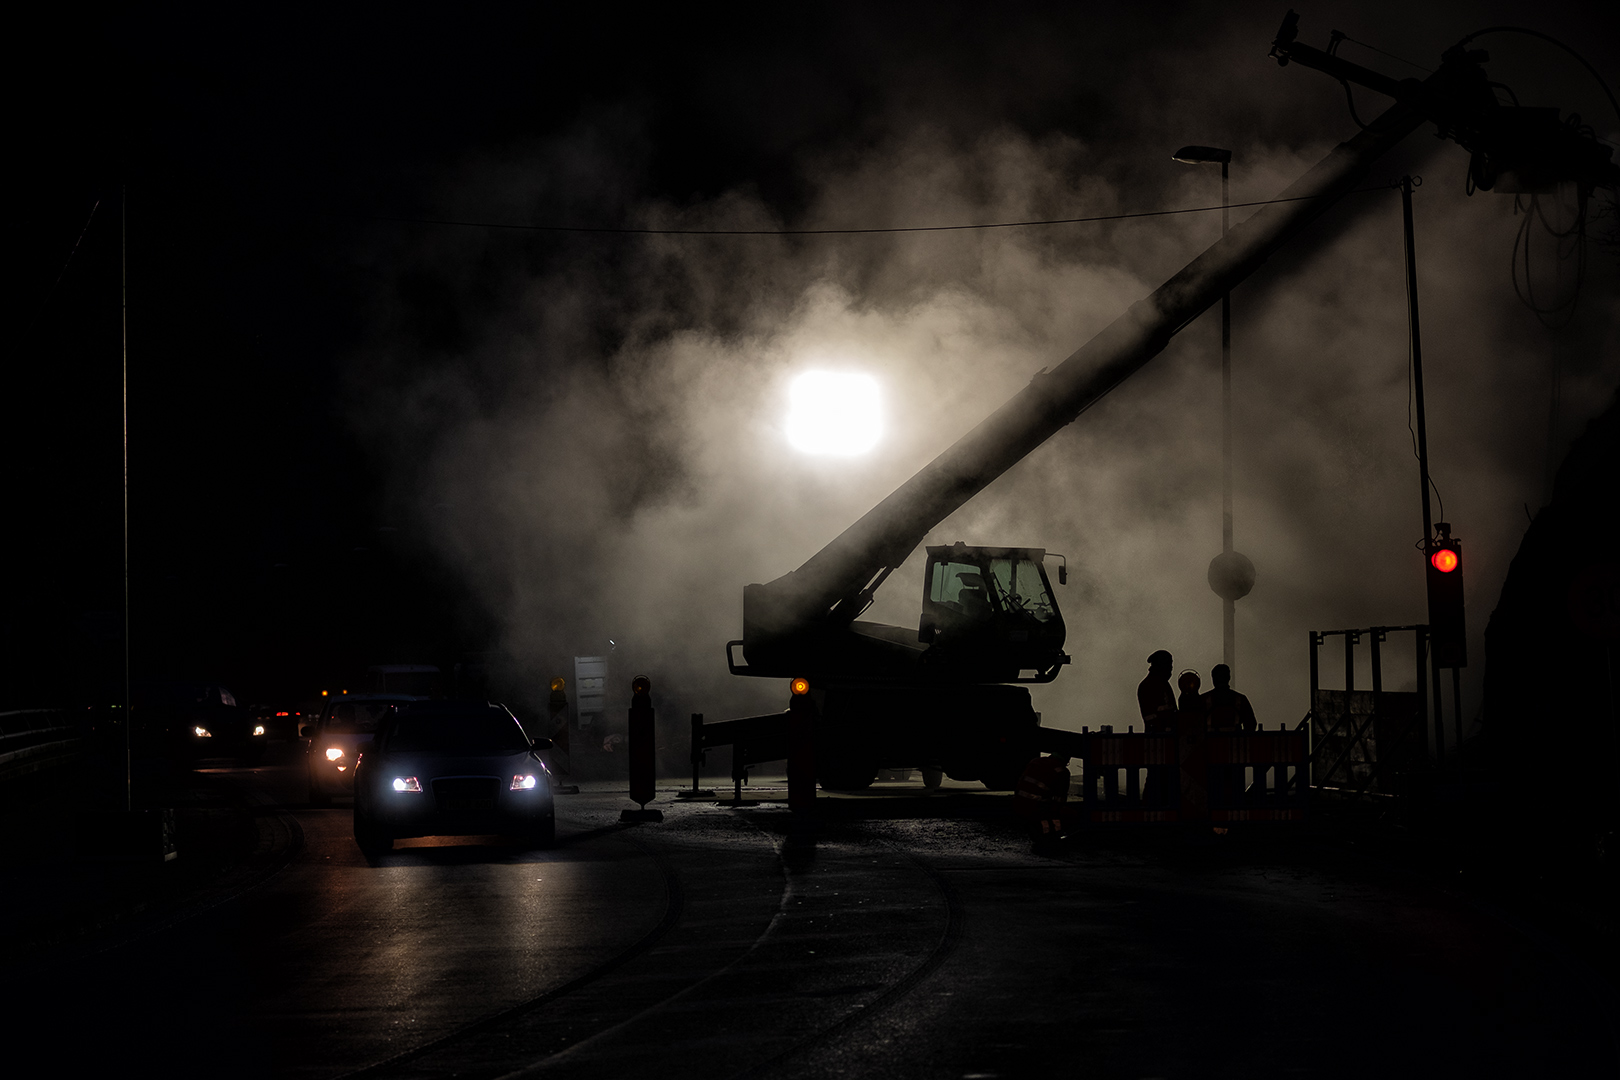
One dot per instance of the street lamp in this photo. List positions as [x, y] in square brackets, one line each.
[1231, 575]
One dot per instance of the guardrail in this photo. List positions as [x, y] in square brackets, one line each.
[35, 739]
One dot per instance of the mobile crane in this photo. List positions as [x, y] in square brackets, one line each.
[946, 696]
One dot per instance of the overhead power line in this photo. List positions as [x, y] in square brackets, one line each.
[622, 230]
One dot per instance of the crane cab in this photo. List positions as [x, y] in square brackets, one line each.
[989, 612]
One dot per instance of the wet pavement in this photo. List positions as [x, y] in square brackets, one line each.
[908, 936]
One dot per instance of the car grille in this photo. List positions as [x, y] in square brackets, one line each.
[465, 793]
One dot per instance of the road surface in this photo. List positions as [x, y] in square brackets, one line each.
[909, 937]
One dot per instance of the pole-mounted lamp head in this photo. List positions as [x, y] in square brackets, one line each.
[1202, 155]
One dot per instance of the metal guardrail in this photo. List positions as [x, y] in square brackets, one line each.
[33, 739]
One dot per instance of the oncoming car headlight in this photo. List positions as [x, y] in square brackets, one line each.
[524, 782]
[333, 753]
[407, 783]
[258, 729]
[202, 733]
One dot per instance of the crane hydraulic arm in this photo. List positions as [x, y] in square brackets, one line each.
[830, 590]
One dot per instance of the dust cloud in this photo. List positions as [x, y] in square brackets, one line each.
[589, 428]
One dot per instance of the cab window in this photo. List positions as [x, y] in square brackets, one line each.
[1020, 588]
[961, 587]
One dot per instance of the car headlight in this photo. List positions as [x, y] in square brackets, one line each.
[258, 729]
[333, 753]
[202, 733]
[523, 782]
[407, 783]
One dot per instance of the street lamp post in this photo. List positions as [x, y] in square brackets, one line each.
[1231, 575]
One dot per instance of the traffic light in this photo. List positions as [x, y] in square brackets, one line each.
[1448, 629]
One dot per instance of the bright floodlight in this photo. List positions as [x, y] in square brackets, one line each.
[834, 413]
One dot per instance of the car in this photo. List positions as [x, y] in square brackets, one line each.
[452, 768]
[190, 722]
[279, 720]
[339, 736]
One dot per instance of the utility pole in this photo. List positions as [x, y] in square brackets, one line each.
[1231, 575]
[123, 314]
[1228, 606]
[1416, 338]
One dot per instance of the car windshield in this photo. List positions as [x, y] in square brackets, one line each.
[455, 727]
[358, 717]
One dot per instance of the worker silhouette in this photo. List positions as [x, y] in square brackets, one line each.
[1225, 709]
[1158, 704]
[1189, 701]
[1154, 696]
[1042, 791]
[1191, 726]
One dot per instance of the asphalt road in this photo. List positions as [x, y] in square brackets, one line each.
[908, 937]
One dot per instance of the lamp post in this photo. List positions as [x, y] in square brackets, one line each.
[1231, 575]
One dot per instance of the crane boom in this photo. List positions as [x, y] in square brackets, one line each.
[831, 589]
[944, 697]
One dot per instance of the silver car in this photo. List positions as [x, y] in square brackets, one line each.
[452, 768]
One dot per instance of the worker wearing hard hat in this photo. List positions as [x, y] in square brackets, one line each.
[1189, 700]
[1154, 696]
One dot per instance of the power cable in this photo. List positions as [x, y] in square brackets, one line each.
[1546, 312]
[1521, 243]
[1381, 52]
[633, 231]
[1554, 41]
[1350, 98]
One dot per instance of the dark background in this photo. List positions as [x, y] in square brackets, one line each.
[254, 156]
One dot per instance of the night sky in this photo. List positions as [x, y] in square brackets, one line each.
[348, 427]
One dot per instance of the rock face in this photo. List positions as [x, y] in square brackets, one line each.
[1552, 647]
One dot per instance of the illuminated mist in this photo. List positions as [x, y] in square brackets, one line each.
[597, 446]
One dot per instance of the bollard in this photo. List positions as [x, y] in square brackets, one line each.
[557, 708]
[643, 783]
[801, 749]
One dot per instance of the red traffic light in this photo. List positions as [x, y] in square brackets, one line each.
[1445, 560]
